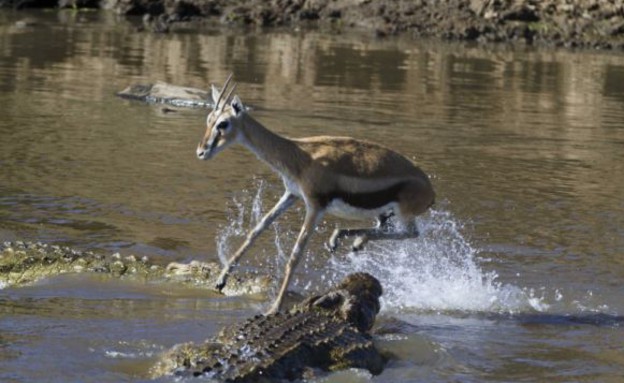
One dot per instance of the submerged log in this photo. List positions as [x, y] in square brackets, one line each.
[328, 332]
[164, 93]
[23, 263]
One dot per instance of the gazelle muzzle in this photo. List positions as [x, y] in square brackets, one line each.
[205, 149]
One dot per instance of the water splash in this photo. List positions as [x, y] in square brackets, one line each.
[234, 228]
[131, 350]
[242, 219]
[238, 224]
[437, 271]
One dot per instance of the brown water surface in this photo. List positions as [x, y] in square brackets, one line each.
[518, 275]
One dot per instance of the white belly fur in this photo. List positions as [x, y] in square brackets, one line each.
[341, 209]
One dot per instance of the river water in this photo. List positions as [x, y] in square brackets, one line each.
[517, 275]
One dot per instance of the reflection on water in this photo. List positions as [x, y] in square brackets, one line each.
[525, 147]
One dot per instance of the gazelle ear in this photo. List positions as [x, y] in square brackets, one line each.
[215, 95]
[237, 105]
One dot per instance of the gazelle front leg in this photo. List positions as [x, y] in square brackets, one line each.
[280, 207]
[313, 214]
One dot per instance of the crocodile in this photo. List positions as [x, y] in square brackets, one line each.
[23, 263]
[329, 332]
[164, 93]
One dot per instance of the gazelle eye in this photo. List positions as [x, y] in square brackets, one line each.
[223, 125]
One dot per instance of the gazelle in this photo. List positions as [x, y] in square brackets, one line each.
[342, 176]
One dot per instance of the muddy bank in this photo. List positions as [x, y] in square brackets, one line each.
[569, 23]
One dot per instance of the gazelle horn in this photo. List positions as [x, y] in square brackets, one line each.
[225, 85]
[225, 100]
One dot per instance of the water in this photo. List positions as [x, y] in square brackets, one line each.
[517, 275]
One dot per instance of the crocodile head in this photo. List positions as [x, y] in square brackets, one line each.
[355, 299]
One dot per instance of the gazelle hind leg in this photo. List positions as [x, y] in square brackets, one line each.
[362, 236]
[413, 199]
[383, 225]
[410, 231]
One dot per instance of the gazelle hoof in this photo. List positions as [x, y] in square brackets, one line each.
[358, 243]
[221, 282]
[331, 247]
[332, 243]
[271, 311]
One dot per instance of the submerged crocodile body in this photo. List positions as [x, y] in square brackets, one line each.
[164, 93]
[23, 263]
[327, 332]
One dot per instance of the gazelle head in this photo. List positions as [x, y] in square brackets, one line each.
[222, 124]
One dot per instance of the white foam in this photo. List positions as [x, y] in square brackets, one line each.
[437, 271]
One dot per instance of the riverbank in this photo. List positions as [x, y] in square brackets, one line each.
[566, 23]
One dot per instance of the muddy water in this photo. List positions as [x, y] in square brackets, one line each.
[517, 276]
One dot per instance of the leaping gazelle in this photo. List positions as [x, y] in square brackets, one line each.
[342, 176]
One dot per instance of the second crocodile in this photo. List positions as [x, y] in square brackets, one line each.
[23, 263]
